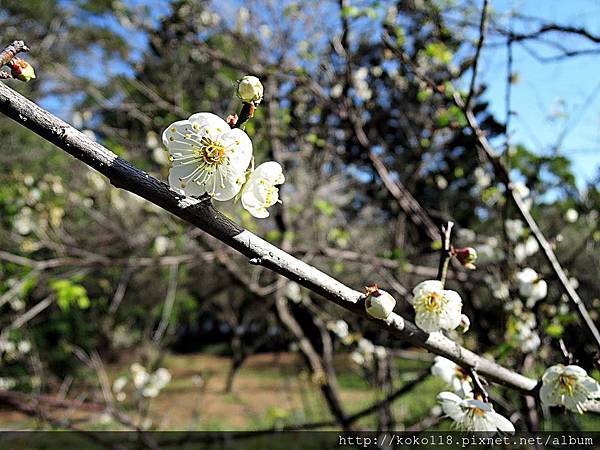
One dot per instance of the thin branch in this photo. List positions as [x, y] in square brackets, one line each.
[11, 51]
[482, 32]
[445, 252]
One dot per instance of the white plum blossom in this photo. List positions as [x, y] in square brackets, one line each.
[260, 192]
[571, 215]
[482, 178]
[379, 304]
[514, 229]
[470, 414]
[569, 386]
[436, 308]
[531, 286]
[452, 374]
[250, 89]
[207, 156]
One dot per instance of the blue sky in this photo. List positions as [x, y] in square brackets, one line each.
[551, 96]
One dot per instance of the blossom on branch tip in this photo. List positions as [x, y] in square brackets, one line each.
[379, 304]
[436, 308]
[250, 90]
[569, 386]
[207, 156]
[471, 414]
[259, 192]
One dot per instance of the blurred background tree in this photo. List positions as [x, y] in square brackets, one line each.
[90, 270]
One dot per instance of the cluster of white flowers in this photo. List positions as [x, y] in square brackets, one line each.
[568, 386]
[436, 308]
[531, 286]
[147, 385]
[209, 157]
[471, 414]
[521, 328]
[12, 350]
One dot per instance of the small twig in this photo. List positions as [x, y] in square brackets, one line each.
[482, 33]
[11, 51]
[477, 385]
[446, 252]
[245, 114]
[566, 353]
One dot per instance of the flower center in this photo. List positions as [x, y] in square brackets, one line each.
[433, 302]
[213, 153]
[478, 412]
[567, 383]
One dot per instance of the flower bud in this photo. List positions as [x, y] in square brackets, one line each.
[464, 325]
[379, 304]
[21, 69]
[467, 257]
[250, 90]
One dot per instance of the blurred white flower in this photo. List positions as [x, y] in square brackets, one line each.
[208, 156]
[380, 352]
[250, 89]
[571, 215]
[119, 384]
[525, 249]
[379, 304]
[7, 383]
[531, 286]
[514, 229]
[23, 222]
[569, 386]
[161, 245]
[357, 358]
[466, 235]
[152, 140]
[339, 328]
[452, 374]
[160, 156]
[24, 346]
[259, 192]
[436, 308]
[293, 292]
[140, 376]
[482, 178]
[473, 415]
